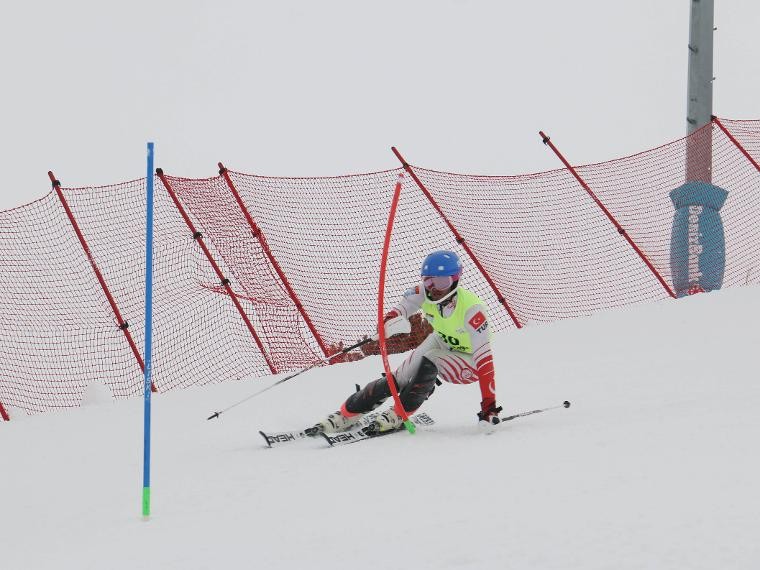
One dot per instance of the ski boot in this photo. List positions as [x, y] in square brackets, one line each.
[387, 421]
[333, 423]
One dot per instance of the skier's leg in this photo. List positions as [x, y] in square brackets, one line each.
[420, 387]
[414, 392]
[415, 381]
[357, 404]
[377, 391]
[417, 374]
[368, 398]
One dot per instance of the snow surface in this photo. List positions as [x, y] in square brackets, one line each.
[654, 466]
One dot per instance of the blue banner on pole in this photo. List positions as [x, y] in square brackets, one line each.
[698, 244]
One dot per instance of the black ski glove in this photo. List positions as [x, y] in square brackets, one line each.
[489, 414]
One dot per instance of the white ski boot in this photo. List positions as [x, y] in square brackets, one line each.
[387, 421]
[335, 422]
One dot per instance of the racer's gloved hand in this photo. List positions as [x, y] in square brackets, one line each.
[395, 324]
[489, 413]
[392, 314]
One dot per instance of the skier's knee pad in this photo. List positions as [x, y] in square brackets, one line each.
[420, 387]
[369, 397]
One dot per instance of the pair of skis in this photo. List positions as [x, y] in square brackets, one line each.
[358, 433]
[361, 433]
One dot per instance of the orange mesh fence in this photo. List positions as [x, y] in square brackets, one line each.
[301, 260]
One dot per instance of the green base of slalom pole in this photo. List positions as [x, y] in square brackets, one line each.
[410, 427]
[146, 502]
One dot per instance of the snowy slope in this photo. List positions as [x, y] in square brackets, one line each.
[654, 466]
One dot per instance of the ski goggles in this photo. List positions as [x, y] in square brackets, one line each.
[439, 282]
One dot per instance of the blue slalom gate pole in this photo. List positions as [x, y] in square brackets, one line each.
[148, 332]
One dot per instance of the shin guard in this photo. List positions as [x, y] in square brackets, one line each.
[369, 397]
[420, 387]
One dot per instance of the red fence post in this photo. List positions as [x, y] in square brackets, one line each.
[460, 240]
[258, 234]
[4, 414]
[731, 137]
[620, 229]
[198, 237]
[123, 325]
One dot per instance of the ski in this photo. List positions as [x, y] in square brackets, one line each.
[361, 434]
[284, 437]
[358, 433]
[278, 438]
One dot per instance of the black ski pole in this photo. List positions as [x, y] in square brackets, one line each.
[564, 404]
[299, 372]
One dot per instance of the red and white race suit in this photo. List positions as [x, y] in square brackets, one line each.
[457, 365]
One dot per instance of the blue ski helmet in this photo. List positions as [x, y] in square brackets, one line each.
[442, 262]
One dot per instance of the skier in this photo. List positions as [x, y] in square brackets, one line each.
[458, 350]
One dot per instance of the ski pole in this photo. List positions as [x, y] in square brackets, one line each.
[299, 372]
[564, 404]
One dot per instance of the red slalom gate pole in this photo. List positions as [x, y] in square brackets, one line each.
[198, 237]
[381, 310]
[123, 325]
[547, 141]
[460, 240]
[257, 233]
[4, 414]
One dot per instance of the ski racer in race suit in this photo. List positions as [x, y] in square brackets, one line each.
[458, 350]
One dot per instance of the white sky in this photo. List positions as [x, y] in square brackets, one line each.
[301, 88]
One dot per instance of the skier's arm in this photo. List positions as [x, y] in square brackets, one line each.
[410, 302]
[476, 321]
[397, 319]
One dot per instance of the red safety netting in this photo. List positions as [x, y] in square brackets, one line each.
[747, 134]
[637, 190]
[327, 235]
[57, 334]
[60, 334]
[302, 262]
[237, 246]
